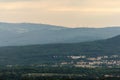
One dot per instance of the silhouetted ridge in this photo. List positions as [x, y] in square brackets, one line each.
[113, 41]
[116, 38]
[36, 54]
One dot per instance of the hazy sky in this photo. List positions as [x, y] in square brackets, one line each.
[70, 13]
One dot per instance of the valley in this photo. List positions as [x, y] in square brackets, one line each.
[65, 57]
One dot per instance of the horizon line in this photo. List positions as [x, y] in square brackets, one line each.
[60, 25]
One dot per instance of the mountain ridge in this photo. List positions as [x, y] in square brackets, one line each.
[13, 34]
[38, 54]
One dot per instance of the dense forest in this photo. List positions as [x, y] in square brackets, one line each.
[35, 54]
[58, 73]
[40, 62]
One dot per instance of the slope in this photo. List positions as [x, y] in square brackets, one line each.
[15, 34]
[36, 54]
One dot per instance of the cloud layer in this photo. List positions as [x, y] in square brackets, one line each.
[71, 13]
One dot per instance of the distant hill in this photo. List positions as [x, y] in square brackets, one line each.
[14, 34]
[35, 54]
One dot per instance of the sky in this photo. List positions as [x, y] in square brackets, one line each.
[69, 13]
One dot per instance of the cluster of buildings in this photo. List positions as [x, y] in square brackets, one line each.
[92, 62]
